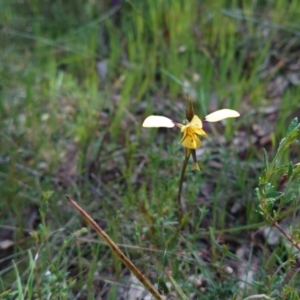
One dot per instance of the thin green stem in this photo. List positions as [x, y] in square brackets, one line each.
[288, 237]
[186, 160]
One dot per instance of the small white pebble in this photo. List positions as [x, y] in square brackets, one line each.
[45, 117]
[227, 269]
[182, 48]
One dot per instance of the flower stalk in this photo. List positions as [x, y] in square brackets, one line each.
[189, 113]
[181, 180]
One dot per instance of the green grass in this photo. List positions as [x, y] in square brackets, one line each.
[66, 129]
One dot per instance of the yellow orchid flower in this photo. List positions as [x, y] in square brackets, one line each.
[192, 129]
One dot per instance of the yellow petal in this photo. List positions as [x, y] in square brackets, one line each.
[158, 121]
[221, 115]
[196, 122]
[190, 141]
[184, 128]
[199, 131]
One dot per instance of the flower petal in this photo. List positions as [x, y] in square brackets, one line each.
[190, 141]
[199, 131]
[158, 121]
[196, 122]
[183, 128]
[221, 115]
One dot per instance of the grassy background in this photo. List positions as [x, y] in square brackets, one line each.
[76, 81]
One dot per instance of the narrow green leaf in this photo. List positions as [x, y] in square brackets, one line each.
[263, 177]
[292, 126]
[177, 287]
[290, 170]
[296, 172]
[185, 219]
[162, 286]
[18, 280]
[266, 161]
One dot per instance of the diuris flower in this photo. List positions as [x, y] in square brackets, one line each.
[192, 129]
